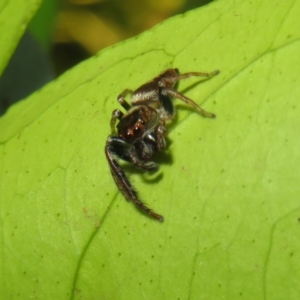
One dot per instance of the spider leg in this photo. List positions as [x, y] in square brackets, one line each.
[116, 115]
[199, 74]
[159, 137]
[171, 79]
[128, 153]
[113, 145]
[171, 92]
[122, 101]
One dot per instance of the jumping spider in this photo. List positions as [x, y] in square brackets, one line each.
[141, 130]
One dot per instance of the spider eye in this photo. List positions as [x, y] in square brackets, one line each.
[136, 130]
[129, 136]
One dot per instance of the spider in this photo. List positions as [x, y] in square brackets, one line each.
[141, 131]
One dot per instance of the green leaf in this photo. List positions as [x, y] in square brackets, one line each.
[14, 16]
[228, 188]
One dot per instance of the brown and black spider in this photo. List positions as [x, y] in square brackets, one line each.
[141, 130]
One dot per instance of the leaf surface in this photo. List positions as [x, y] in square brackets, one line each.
[14, 16]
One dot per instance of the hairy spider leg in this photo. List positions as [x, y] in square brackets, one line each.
[173, 93]
[128, 153]
[190, 102]
[122, 101]
[116, 115]
[199, 74]
[121, 179]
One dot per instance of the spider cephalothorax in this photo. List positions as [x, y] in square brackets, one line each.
[141, 130]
